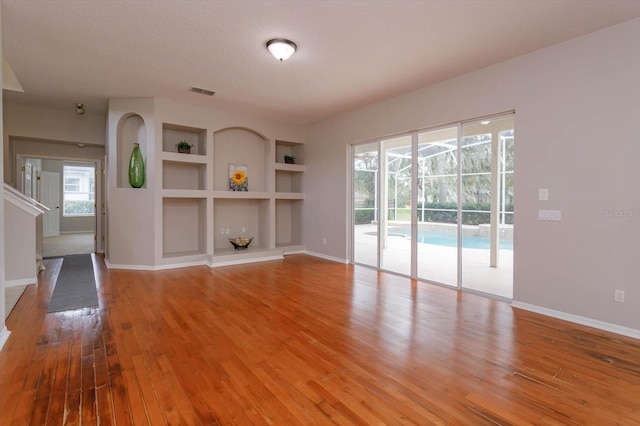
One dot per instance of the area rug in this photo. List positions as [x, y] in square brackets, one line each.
[76, 286]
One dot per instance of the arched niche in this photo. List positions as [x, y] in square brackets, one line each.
[131, 129]
[240, 145]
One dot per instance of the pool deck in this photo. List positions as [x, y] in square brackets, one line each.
[438, 263]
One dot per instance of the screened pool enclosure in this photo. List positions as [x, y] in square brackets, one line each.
[437, 205]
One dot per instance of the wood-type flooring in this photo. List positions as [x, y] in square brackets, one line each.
[299, 342]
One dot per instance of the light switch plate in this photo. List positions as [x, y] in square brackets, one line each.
[543, 194]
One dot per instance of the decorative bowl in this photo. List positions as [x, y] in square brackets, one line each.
[241, 243]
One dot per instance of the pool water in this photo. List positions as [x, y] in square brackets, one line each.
[451, 240]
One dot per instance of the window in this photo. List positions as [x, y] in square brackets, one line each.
[79, 190]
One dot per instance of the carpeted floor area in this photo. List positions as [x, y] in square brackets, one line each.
[65, 244]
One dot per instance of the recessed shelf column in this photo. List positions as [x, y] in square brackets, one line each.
[183, 226]
[289, 225]
[240, 218]
[173, 133]
[183, 175]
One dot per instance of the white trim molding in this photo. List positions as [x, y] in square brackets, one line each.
[325, 257]
[589, 322]
[243, 261]
[4, 335]
[24, 281]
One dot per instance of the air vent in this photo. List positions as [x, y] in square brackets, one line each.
[202, 91]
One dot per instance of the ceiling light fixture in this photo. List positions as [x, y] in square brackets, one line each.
[80, 108]
[281, 48]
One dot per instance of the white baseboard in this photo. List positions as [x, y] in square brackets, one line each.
[243, 261]
[130, 267]
[24, 281]
[188, 264]
[325, 257]
[4, 335]
[90, 231]
[589, 322]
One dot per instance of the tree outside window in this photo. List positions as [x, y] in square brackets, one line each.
[79, 190]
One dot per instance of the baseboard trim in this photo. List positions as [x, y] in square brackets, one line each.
[130, 267]
[188, 264]
[589, 322]
[243, 261]
[325, 257]
[24, 281]
[4, 336]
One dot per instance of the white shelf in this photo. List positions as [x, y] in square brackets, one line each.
[184, 193]
[291, 248]
[291, 168]
[242, 195]
[196, 254]
[223, 257]
[184, 158]
[289, 196]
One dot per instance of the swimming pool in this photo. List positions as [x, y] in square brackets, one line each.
[451, 240]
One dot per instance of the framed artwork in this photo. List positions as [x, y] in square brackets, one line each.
[238, 179]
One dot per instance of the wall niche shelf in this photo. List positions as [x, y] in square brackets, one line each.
[183, 227]
[180, 175]
[289, 148]
[131, 129]
[289, 225]
[173, 133]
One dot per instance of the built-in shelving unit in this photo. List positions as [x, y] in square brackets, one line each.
[186, 210]
[200, 212]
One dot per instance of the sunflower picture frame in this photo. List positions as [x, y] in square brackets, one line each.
[238, 178]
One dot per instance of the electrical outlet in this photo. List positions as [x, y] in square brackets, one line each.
[244, 229]
[324, 241]
[227, 231]
[618, 296]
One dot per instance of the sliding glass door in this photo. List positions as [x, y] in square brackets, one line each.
[395, 226]
[487, 206]
[437, 205]
[437, 237]
[365, 204]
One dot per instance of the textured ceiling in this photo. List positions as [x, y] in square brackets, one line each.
[350, 52]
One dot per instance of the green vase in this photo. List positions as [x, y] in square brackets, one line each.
[136, 167]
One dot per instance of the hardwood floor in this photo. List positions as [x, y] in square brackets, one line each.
[304, 341]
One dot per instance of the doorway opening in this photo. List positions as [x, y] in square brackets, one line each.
[68, 188]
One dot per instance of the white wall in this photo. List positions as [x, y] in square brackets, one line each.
[4, 334]
[51, 125]
[577, 127]
[20, 246]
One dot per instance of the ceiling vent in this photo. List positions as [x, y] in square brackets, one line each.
[202, 91]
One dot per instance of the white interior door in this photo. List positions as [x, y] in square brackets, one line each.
[50, 197]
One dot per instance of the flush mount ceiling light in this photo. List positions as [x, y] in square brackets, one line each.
[281, 48]
[80, 108]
